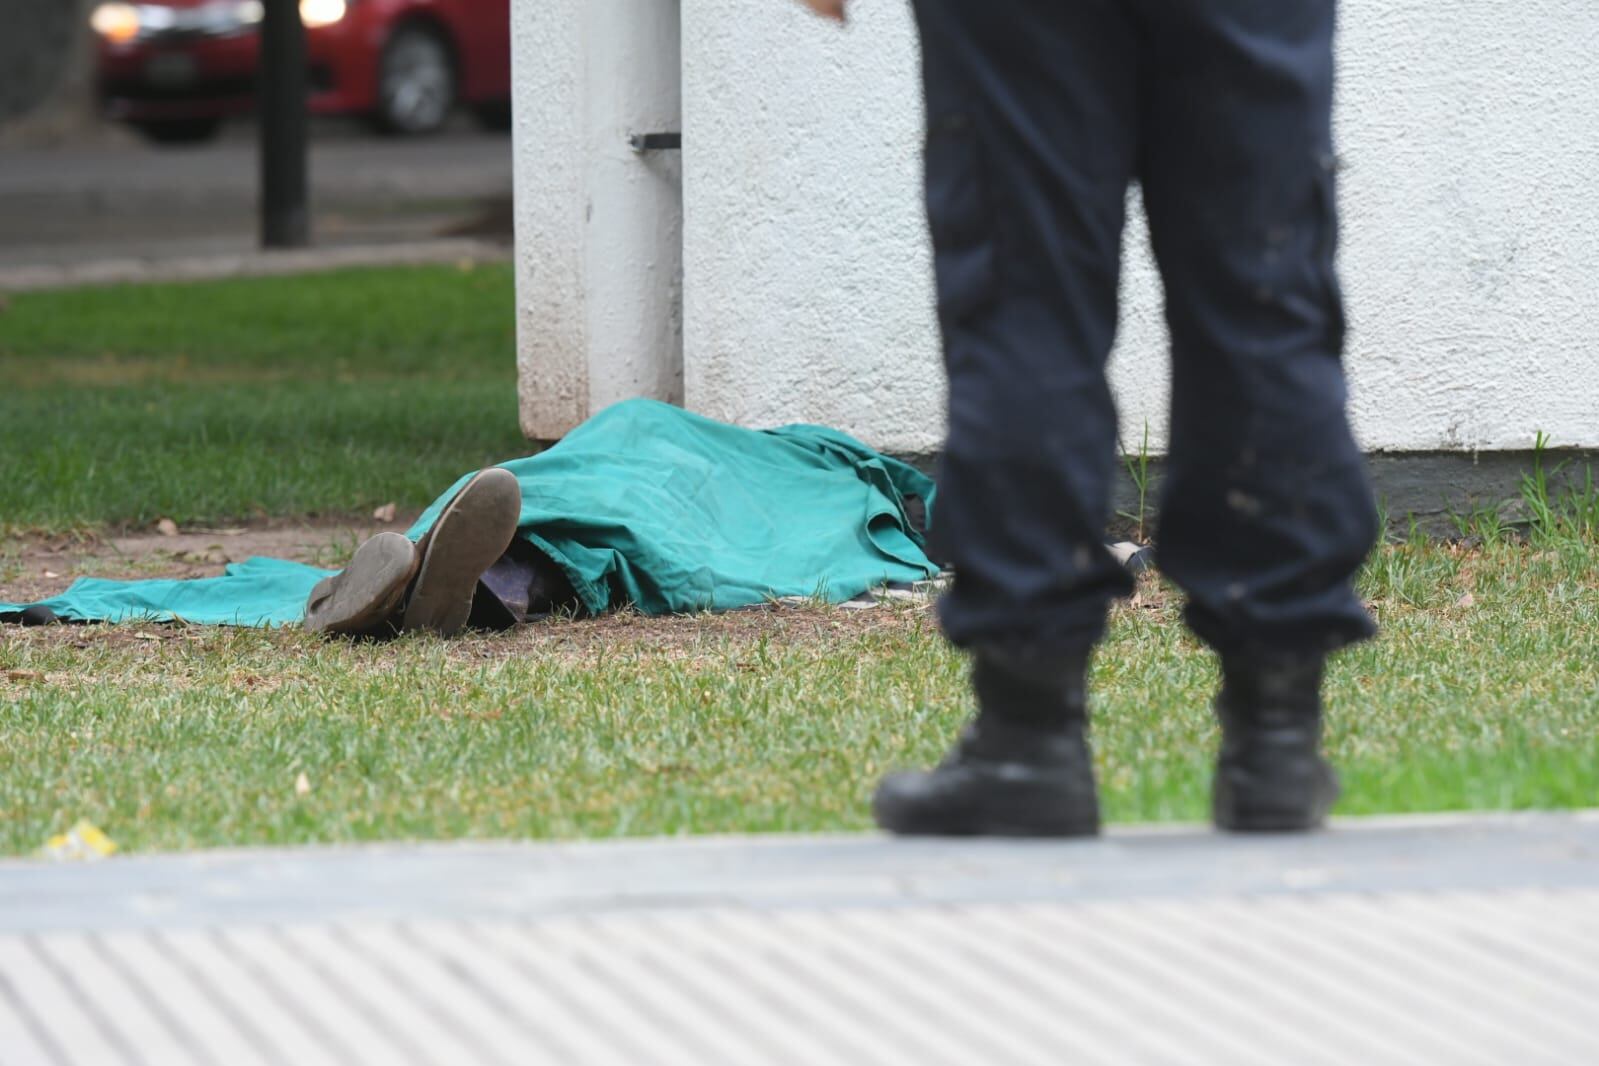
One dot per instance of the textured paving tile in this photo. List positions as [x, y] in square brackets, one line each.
[1427, 941]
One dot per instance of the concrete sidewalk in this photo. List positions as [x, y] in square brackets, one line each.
[1455, 939]
[197, 262]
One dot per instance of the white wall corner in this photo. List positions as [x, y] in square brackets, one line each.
[599, 232]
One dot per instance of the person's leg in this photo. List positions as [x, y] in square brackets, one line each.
[1266, 511]
[1031, 117]
[522, 585]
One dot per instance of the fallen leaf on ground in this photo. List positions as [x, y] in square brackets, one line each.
[24, 675]
[385, 513]
[84, 842]
[167, 527]
[302, 785]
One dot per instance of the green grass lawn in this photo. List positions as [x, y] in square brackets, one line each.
[334, 393]
[757, 721]
[214, 401]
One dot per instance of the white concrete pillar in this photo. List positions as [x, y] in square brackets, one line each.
[599, 223]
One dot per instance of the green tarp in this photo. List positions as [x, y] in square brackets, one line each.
[644, 504]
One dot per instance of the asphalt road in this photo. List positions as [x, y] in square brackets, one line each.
[114, 196]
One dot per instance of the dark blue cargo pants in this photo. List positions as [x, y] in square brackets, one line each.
[1040, 113]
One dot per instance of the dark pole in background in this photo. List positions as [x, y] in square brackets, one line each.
[285, 218]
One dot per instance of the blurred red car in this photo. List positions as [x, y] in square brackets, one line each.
[174, 69]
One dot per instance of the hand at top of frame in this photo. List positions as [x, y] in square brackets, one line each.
[831, 9]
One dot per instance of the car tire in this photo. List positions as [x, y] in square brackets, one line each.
[179, 130]
[416, 82]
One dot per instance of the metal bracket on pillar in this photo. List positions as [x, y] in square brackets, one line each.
[656, 142]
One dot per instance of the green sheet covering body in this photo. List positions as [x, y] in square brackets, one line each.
[643, 504]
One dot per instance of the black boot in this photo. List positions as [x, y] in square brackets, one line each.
[1271, 776]
[1022, 768]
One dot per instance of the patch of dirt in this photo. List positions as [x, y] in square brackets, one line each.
[175, 655]
[36, 568]
[45, 567]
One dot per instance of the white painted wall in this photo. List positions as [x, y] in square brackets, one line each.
[551, 167]
[1470, 131]
[598, 225]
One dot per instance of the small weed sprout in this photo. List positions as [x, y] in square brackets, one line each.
[1559, 511]
[1138, 471]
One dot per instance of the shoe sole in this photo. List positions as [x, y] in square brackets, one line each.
[1009, 830]
[1017, 819]
[1234, 810]
[1269, 821]
[474, 531]
[366, 592]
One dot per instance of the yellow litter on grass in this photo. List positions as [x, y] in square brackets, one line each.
[84, 842]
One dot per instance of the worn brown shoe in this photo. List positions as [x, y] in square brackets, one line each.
[473, 531]
[366, 593]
